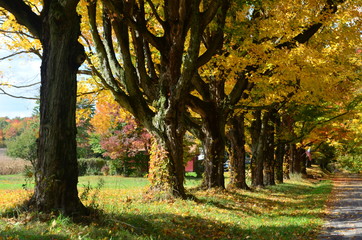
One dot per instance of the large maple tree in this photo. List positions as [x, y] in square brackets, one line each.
[57, 26]
[147, 55]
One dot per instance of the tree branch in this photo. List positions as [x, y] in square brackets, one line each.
[24, 15]
[22, 86]
[154, 11]
[3, 92]
[303, 37]
[18, 32]
[101, 49]
[209, 14]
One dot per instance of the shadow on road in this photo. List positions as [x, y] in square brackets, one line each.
[345, 217]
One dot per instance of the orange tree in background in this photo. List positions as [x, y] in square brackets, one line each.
[120, 137]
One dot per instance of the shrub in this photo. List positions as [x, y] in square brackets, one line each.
[136, 166]
[351, 163]
[23, 146]
[91, 166]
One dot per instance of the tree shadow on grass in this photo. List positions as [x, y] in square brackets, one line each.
[168, 227]
[292, 196]
[171, 226]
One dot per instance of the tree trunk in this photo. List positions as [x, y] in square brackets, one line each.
[174, 147]
[279, 157]
[269, 161]
[296, 164]
[213, 142]
[56, 175]
[287, 160]
[258, 152]
[167, 171]
[303, 160]
[236, 136]
[279, 152]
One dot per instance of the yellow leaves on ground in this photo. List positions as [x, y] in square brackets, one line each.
[11, 198]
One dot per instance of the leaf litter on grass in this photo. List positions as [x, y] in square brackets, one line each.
[291, 209]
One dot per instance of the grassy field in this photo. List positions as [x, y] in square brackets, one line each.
[290, 210]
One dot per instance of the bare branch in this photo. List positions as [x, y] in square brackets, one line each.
[3, 92]
[17, 86]
[85, 72]
[91, 92]
[14, 54]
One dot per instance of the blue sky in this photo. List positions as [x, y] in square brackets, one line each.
[19, 70]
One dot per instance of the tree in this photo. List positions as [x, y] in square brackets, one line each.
[57, 27]
[159, 43]
[121, 138]
[236, 136]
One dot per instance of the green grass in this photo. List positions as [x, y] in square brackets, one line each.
[11, 181]
[111, 182]
[283, 211]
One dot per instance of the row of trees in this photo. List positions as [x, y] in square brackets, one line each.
[280, 69]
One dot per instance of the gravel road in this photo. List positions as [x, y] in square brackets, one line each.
[345, 218]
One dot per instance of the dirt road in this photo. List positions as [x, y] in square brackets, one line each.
[345, 216]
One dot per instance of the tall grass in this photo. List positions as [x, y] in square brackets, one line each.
[10, 165]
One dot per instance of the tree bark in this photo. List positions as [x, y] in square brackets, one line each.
[56, 171]
[269, 161]
[303, 160]
[213, 142]
[287, 160]
[279, 152]
[257, 131]
[175, 132]
[296, 164]
[236, 136]
[166, 171]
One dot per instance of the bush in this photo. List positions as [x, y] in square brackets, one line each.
[23, 146]
[91, 166]
[351, 163]
[135, 166]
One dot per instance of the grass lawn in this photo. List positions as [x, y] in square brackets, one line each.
[292, 210]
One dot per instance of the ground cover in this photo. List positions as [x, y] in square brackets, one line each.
[125, 211]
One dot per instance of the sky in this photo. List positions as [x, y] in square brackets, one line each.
[19, 70]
